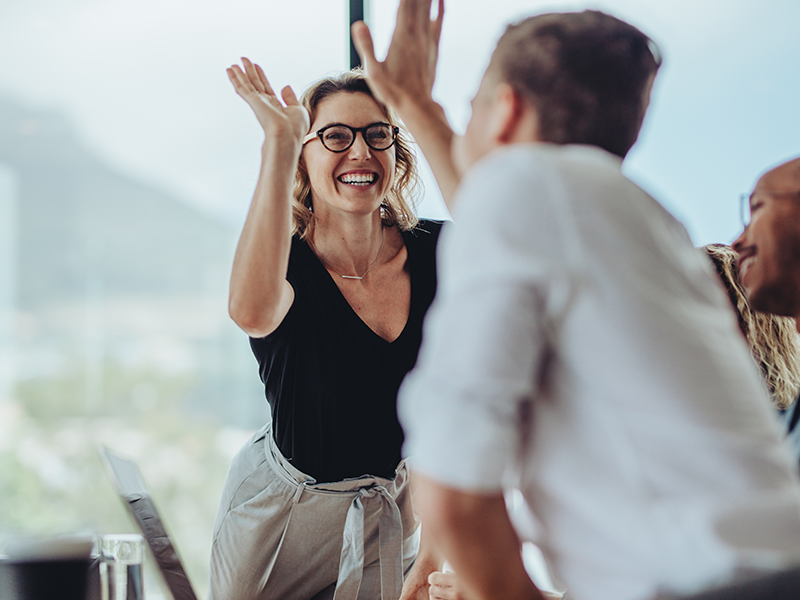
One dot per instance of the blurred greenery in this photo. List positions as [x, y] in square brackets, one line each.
[52, 480]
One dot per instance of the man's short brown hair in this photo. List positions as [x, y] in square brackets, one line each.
[585, 74]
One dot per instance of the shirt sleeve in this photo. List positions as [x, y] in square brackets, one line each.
[485, 340]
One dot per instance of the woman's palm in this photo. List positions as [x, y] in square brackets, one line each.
[278, 120]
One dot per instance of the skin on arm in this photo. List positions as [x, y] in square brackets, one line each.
[475, 535]
[260, 296]
[404, 80]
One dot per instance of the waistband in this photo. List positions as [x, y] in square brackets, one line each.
[295, 476]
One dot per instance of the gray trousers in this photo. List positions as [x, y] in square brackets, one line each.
[279, 535]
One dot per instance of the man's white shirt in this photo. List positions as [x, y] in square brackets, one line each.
[581, 349]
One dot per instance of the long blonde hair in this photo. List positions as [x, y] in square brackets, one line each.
[773, 340]
[398, 208]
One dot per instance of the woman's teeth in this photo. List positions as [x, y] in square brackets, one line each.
[358, 179]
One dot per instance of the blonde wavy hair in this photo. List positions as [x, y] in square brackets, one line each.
[773, 340]
[398, 208]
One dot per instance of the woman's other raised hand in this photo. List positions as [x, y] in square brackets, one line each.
[283, 122]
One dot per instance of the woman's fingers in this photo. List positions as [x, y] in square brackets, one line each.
[240, 81]
[289, 97]
[443, 579]
[443, 593]
[253, 76]
[443, 586]
[296, 112]
[252, 81]
[263, 79]
[274, 117]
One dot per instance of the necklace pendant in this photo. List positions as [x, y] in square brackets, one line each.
[328, 266]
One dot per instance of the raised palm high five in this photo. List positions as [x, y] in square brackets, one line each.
[281, 123]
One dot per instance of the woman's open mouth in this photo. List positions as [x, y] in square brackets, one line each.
[358, 179]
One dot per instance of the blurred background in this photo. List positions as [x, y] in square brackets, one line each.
[127, 164]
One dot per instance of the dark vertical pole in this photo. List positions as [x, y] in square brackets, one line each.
[356, 14]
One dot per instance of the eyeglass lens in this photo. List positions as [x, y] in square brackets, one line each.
[744, 209]
[340, 137]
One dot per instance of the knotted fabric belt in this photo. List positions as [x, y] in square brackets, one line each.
[351, 563]
[367, 496]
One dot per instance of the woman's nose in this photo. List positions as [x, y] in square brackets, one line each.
[359, 149]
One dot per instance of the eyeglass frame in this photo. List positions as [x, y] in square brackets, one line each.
[745, 208]
[354, 130]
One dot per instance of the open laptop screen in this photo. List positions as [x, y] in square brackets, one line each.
[130, 485]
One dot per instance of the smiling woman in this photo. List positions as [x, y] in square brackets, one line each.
[329, 103]
[331, 279]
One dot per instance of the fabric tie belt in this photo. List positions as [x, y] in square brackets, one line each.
[390, 528]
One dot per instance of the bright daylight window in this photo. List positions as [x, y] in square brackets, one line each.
[126, 167]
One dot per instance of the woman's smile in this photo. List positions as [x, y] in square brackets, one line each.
[358, 178]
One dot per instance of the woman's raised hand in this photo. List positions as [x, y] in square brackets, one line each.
[281, 122]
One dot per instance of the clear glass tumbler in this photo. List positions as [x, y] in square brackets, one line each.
[121, 568]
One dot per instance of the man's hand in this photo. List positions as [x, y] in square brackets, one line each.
[475, 535]
[429, 560]
[404, 81]
[409, 70]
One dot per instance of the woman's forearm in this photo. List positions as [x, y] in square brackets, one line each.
[259, 293]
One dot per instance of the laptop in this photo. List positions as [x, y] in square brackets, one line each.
[128, 480]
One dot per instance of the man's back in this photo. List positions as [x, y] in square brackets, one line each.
[578, 334]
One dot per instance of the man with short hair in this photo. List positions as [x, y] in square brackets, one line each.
[579, 347]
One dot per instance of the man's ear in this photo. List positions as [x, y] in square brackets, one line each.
[511, 119]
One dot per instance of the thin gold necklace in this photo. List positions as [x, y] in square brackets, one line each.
[330, 266]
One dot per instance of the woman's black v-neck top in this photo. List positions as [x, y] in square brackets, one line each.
[330, 380]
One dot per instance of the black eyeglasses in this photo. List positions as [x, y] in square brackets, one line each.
[338, 138]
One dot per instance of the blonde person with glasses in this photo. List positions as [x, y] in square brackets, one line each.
[769, 253]
[773, 340]
[331, 279]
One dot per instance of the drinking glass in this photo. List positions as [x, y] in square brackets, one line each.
[121, 567]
